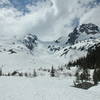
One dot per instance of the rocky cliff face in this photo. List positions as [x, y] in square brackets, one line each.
[30, 41]
[83, 32]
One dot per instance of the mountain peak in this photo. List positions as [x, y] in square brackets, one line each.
[30, 41]
[83, 32]
[89, 28]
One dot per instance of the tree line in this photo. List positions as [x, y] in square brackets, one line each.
[90, 61]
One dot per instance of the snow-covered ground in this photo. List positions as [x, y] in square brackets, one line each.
[44, 88]
[16, 56]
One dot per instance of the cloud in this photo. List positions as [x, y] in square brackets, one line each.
[49, 20]
[4, 2]
[92, 16]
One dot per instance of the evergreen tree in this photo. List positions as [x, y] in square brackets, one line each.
[52, 72]
[85, 76]
[26, 75]
[20, 74]
[95, 77]
[77, 75]
[34, 73]
[0, 71]
[82, 75]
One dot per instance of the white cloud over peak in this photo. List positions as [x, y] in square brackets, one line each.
[49, 19]
[92, 16]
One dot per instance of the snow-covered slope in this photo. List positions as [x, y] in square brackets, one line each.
[27, 54]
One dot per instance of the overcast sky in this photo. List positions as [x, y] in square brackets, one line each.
[49, 19]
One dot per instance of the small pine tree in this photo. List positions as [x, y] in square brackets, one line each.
[85, 75]
[26, 75]
[77, 77]
[34, 73]
[95, 77]
[9, 74]
[52, 72]
[20, 74]
[0, 71]
[67, 66]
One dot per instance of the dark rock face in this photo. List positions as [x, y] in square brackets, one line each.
[53, 48]
[73, 36]
[84, 28]
[30, 41]
[89, 28]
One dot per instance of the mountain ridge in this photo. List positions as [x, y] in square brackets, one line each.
[31, 52]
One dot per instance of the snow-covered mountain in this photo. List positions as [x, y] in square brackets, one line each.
[84, 32]
[82, 38]
[30, 51]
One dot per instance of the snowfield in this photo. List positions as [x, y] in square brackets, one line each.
[44, 88]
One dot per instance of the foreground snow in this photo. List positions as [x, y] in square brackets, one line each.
[44, 88]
